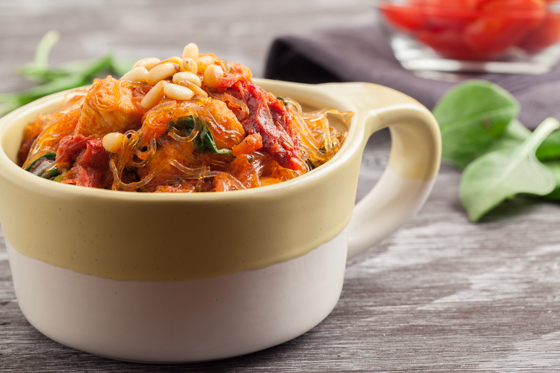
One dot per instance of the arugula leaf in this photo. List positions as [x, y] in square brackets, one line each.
[204, 140]
[504, 173]
[471, 116]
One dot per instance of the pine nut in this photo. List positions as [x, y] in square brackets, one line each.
[154, 95]
[177, 92]
[138, 74]
[212, 74]
[190, 51]
[161, 72]
[148, 63]
[112, 141]
[185, 75]
[193, 87]
[203, 62]
[189, 65]
[175, 59]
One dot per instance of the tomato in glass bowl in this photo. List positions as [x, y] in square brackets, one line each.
[475, 29]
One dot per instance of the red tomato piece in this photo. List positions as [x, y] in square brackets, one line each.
[504, 24]
[405, 18]
[450, 14]
[545, 35]
[267, 119]
[448, 43]
[90, 166]
[68, 150]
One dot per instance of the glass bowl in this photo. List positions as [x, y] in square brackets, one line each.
[517, 36]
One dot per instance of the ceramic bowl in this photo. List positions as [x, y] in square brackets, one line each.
[193, 277]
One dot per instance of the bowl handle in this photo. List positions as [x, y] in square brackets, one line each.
[413, 163]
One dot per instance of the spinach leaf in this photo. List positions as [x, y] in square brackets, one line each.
[550, 148]
[50, 156]
[514, 134]
[204, 140]
[44, 166]
[502, 174]
[471, 116]
[554, 168]
[51, 172]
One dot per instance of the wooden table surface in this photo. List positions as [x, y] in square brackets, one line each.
[440, 295]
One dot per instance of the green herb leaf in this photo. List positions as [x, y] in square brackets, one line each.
[550, 148]
[204, 140]
[51, 173]
[283, 100]
[554, 168]
[471, 116]
[504, 173]
[37, 69]
[121, 67]
[67, 76]
[50, 156]
[514, 134]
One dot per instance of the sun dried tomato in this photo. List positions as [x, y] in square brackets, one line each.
[274, 124]
[90, 166]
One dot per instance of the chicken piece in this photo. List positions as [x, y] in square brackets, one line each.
[110, 106]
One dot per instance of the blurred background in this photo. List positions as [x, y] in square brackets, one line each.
[240, 31]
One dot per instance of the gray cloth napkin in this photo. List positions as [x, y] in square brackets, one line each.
[361, 54]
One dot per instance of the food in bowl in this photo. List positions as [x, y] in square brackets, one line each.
[476, 29]
[194, 123]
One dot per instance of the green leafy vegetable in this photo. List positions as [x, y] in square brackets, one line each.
[502, 174]
[67, 76]
[554, 168]
[44, 166]
[283, 100]
[471, 116]
[50, 156]
[550, 148]
[204, 140]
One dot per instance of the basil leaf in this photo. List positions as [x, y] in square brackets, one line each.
[504, 173]
[471, 116]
